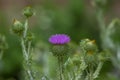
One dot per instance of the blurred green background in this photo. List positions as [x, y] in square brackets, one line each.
[73, 17]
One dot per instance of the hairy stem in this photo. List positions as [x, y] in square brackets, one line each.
[89, 73]
[82, 67]
[60, 63]
[97, 72]
[26, 28]
[26, 53]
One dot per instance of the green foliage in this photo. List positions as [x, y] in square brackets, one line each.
[81, 62]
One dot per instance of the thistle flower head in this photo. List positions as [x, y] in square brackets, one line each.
[59, 39]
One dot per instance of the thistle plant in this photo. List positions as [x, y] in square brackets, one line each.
[91, 57]
[59, 50]
[21, 29]
[85, 65]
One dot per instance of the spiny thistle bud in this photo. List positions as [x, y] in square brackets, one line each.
[89, 46]
[18, 27]
[30, 36]
[28, 11]
[89, 49]
[59, 42]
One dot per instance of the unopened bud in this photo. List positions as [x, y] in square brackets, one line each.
[30, 36]
[89, 49]
[28, 11]
[18, 27]
[89, 46]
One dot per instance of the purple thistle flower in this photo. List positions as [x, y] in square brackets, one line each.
[59, 39]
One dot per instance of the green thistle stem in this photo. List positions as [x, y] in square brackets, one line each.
[26, 28]
[96, 73]
[26, 53]
[89, 73]
[29, 47]
[24, 49]
[93, 76]
[82, 67]
[89, 76]
[60, 63]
